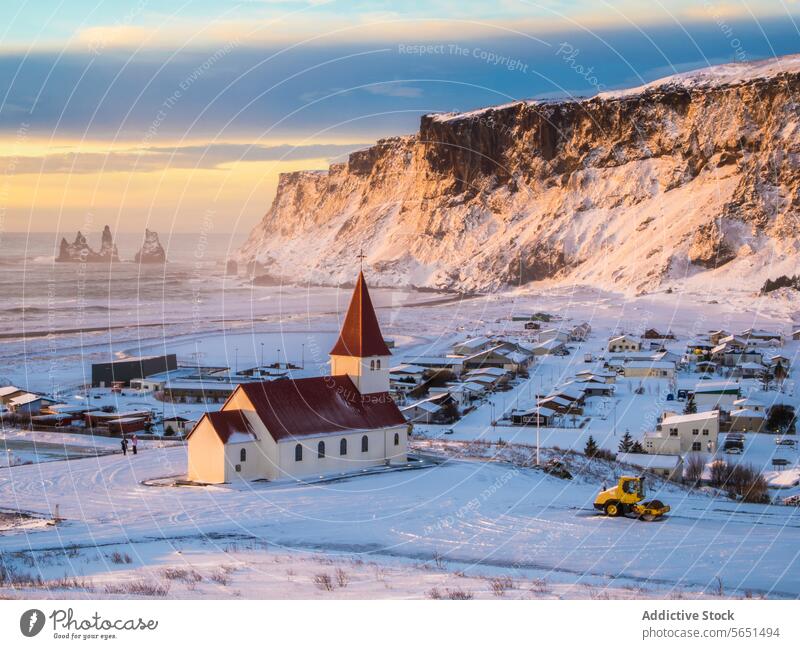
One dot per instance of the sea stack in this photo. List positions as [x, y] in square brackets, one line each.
[108, 250]
[152, 252]
[76, 251]
[80, 250]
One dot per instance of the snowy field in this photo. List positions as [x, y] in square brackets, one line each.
[480, 519]
[454, 527]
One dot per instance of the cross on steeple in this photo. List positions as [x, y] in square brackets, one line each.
[361, 257]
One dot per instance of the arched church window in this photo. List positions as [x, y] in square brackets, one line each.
[243, 455]
[397, 439]
[298, 453]
[364, 444]
[378, 364]
[343, 447]
[320, 450]
[371, 366]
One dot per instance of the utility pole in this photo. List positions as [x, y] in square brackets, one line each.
[262, 355]
[235, 360]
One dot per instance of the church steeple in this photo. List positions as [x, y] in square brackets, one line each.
[361, 334]
[360, 351]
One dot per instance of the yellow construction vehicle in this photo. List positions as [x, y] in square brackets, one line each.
[627, 497]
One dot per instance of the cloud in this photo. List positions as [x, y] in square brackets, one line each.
[158, 158]
[391, 89]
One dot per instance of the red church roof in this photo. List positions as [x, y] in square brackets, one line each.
[361, 335]
[319, 405]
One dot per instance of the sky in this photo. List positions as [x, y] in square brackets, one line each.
[149, 114]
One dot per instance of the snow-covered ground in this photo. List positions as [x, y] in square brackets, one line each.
[476, 517]
[453, 526]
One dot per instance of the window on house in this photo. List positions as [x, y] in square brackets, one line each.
[673, 432]
[243, 455]
[298, 453]
[320, 450]
[378, 364]
[697, 446]
[695, 431]
[343, 447]
[397, 439]
[705, 431]
[364, 444]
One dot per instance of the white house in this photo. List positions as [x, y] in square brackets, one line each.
[693, 432]
[624, 343]
[299, 428]
[649, 369]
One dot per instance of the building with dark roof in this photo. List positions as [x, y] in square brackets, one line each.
[301, 428]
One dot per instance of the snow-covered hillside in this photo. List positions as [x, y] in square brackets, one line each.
[694, 178]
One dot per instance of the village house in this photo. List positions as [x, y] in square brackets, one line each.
[716, 395]
[705, 367]
[28, 403]
[489, 377]
[296, 428]
[579, 333]
[553, 346]
[649, 369]
[716, 336]
[767, 338]
[624, 343]
[500, 356]
[454, 364]
[598, 376]
[405, 378]
[472, 346]
[732, 353]
[595, 389]
[10, 392]
[796, 335]
[693, 433]
[178, 425]
[437, 408]
[747, 420]
[554, 334]
[748, 370]
[654, 334]
[535, 416]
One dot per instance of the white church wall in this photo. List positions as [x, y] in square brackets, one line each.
[206, 455]
[370, 375]
[333, 462]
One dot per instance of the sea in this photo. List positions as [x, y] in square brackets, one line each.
[42, 293]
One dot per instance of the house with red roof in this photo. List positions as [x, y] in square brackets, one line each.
[301, 428]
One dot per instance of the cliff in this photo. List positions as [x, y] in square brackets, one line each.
[692, 178]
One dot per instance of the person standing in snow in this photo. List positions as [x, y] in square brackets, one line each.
[124, 444]
[134, 443]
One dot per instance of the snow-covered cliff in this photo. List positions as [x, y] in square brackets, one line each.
[693, 178]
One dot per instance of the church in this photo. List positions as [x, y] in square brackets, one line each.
[311, 427]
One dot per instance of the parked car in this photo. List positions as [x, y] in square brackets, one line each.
[785, 441]
[448, 431]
